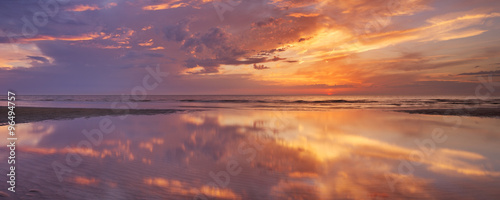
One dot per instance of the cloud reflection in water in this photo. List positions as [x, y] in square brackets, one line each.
[299, 155]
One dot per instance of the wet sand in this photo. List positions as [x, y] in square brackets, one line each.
[36, 114]
[335, 154]
[480, 112]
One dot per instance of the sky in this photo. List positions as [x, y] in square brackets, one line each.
[250, 47]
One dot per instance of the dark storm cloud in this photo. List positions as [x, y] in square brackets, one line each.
[260, 67]
[272, 51]
[496, 72]
[214, 48]
[38, 58]
[135, 54]
[178, 32]
[215, 42]
[68, 55]
[271, 21]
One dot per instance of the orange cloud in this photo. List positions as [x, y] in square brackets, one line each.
[164, 6]
[21, 54]
[182, 188]
[80, 8]
[147, 44]
[156, 48]
[90, 36]
[84, 180]
[303, 14]
[147, 28]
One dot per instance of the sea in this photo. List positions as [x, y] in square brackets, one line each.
[281, 102]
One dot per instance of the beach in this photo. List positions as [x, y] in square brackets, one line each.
[40, 113]
[250, 100]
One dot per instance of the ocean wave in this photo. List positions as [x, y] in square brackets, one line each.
[277, 101]
[267, 101]
[337, 101]
[217, 101]
[145, 100]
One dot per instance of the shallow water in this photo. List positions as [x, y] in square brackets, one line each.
[259, 154]
[284, 102]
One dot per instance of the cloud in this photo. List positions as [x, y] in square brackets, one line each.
[135, 54]
[178, 32]
[90, 7]
[80, 8]
[157, 48]
[89, 36]
[168, 5]
[303, 14]
[147, 44]
[214, 48]
[496, 72]
[259, 67]
[39, 58]
[418, 62]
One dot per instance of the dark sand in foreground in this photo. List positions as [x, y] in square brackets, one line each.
[480, 112]
[35, 114]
